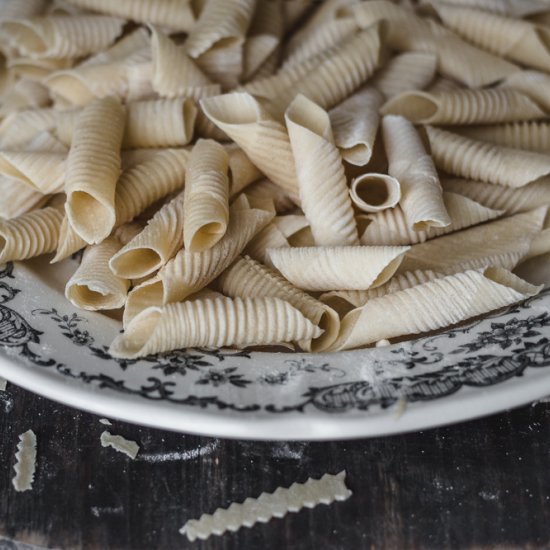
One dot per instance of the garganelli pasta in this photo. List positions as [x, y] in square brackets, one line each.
[307, 176]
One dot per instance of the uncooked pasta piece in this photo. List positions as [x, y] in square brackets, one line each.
[464, 106]
[516, 8]
[159, 123]
[433, 305]
[265, 189]
[406, 71]
[24, 94]
[374, 192]
[540, 244]
[94, 286]
[506, 199]
[516, 39]
[220, 322]
[37, 69]
[479, 160]
[41, 171]
[173, 14]
[241, 170]
[150, 249]
[16, 9]
[93, 169]
[247, 278]
[500, 243]
[390, 227]
[168, 82]
[120, 444]
[338, 267]
[291, 224]
[20, 127]
[135, 41]
[456, 58]
[421, 194]
[313, 492]
[354, 125]
[30, 234]
[258, 134]
[327, 36]
[60, 36]
[269, 237]
[18, 199]
[224, 63]
[25, 462]
[536, 270]
[337, 74]
[531, 136]
[3, 384]
[532, 84]
[321, 178]
[190, 272]
[206, 210]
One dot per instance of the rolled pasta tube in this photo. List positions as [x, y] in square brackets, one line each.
[433, 305]
[516, 39]
[220, 322]
[536, 270]
[24, 94]
[503, 242]
[160, 123]
[93, 169]
[18, 199]
[421, 194]
[173, 14]
[269, 237]
[94, 286]
[29, 235]
[59, 36]
[483, 161]
[224, 63]
[463, 106]
[154, 246]
[530, 136]
[206, 209]
[531, 83]
[406, 71]
[41, 171]
[456, 58]
[338, 267]
[190, 272]
[506, 199]
[321, 178]
[18, 128]
[291, 224]
[515, 8]
[265, 189]
[14, 9]
[354, 135]
[257, 133]
[166, 55]
[247, 278]
[358, 298]
[375, 192]
[390, 227]
[241, 170]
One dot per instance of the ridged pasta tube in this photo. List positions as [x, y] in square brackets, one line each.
[373, 192]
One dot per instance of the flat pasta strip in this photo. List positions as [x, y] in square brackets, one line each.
[29, 235]
[406, 71]
[433, 305]
[59, 36]
[338, 267]
[479, 160]
[500, 243]
[94, 286]
[247, 278]
[160, 123]
[220, 322]
[190, 272]
[173, 14]
[93, 169]
[373, 192]
[505, 199]
[206, 210]
[150, 249]
[313, 492]
[354, 135]
[464, 106]
[321, 178]
[390, 227]
[257, 133]
[516, 39]
[421, 193]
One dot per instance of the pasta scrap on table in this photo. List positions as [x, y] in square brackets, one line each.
[328, 489]
[25, 465]
[3, 384]
[378, 171]
[120, 444]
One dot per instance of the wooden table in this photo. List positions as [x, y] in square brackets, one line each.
[480, 484]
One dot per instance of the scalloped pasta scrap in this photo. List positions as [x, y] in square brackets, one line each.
[25, 465]
[120, 444]
[313, 492]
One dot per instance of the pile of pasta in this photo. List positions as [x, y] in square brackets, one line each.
[320, 176]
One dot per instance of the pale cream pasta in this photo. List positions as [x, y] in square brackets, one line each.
[373, 192]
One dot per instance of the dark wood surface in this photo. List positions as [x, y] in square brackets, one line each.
[480, 484]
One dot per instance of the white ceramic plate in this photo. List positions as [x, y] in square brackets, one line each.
[53, 349]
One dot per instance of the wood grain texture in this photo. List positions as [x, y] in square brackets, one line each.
[480, 484]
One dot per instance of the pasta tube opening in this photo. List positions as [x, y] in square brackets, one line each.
[375, 192]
